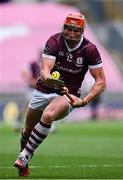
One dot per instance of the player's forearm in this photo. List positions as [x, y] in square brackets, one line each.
[45, 75]
[45, 68]
[96, 90]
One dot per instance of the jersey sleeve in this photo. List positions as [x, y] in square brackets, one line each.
[94, 58]
[50, 48]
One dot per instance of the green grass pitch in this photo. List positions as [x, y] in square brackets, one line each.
[87, 150]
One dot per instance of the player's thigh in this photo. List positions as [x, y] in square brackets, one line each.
[33, 116]
[58, 108]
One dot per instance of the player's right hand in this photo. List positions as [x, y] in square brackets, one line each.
[77, 102]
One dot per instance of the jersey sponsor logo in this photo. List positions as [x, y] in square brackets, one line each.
[69, 69]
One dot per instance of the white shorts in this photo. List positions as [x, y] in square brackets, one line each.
[40, 100]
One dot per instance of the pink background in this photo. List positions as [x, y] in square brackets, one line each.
[23, 31]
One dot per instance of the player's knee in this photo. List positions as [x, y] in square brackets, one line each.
[48, 117]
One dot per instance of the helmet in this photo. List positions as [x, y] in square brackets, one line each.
[75, 19]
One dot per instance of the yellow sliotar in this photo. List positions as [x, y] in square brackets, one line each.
[56, 75]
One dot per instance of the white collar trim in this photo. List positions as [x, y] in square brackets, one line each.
[76, 47]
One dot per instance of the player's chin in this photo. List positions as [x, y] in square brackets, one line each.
[71, 41]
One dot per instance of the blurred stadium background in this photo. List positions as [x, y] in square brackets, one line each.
[25, 25]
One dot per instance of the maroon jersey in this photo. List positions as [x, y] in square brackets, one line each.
[72, 63]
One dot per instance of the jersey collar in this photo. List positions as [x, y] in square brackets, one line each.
[76, 47]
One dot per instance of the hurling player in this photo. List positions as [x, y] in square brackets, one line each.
[72, 54]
